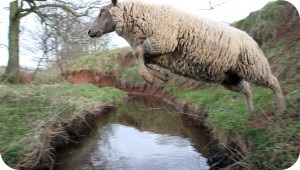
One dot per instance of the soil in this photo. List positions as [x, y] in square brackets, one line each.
[89, 76]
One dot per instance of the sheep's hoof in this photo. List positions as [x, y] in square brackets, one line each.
[164, 77]
[149, 79]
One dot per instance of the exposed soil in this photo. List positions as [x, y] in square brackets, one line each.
[89, 76]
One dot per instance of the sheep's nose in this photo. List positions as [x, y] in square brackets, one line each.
[92, 34]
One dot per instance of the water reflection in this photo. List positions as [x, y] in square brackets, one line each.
[146, 151]
[161, 139]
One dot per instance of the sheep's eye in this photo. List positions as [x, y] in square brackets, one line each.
[102, 10]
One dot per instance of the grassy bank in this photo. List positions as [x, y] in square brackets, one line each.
[27, 111]
[272, 140]
[103, 61]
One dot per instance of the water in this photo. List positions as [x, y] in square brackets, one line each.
[143, 134]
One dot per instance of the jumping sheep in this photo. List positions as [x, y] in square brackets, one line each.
[190, 46]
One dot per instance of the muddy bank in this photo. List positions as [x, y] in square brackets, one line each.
[224, 150]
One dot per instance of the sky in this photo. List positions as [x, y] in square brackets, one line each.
[230, 11]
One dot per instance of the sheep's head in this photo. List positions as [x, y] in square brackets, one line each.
[103, 23]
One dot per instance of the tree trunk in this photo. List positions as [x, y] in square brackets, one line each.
[13, 67]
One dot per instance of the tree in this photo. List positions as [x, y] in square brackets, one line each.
[22, 8]
[12, 69]
[65, 39]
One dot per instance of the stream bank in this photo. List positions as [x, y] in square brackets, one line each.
[224, 151]
[141, 133]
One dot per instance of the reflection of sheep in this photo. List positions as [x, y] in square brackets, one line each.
[190, 46]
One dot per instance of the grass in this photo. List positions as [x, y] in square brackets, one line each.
[262, 23]
[274, 145]
[107, 62]
[273, 142]
[285, 59]
[226, 109]
[131, 74]
[25, 110]
[103, 61]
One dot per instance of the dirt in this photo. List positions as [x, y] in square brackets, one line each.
[90, 76]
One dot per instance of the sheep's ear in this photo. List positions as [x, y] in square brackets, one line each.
[114, 2]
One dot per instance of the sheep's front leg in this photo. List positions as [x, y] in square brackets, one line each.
[160, 44]
[139, 55]
[158, 74]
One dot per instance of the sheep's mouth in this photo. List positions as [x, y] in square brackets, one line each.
[94, 34]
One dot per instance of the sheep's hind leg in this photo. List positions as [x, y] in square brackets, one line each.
[139, 55]
[280, 99]
[273, 84]
[241, 87]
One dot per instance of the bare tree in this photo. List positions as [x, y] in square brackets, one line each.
[22, 8]
[65, 38]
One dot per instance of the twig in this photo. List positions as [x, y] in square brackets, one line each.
[211, 7]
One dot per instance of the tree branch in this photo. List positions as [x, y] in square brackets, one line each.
[211, 7]
[35, 9]
[2, 45]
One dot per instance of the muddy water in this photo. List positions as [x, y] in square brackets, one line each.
[144, 133]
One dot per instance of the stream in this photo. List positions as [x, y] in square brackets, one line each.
[144, 133]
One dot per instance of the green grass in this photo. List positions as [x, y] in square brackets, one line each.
[27, 109]
[103, 61]
[285, 59]
[272, 146]
[226, 109]
[262, 24]
[131, 74]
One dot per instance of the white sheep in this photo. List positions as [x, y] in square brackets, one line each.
[190, 46]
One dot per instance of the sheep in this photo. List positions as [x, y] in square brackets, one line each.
[190, 46]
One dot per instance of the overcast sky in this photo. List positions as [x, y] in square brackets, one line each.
[230, 11]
